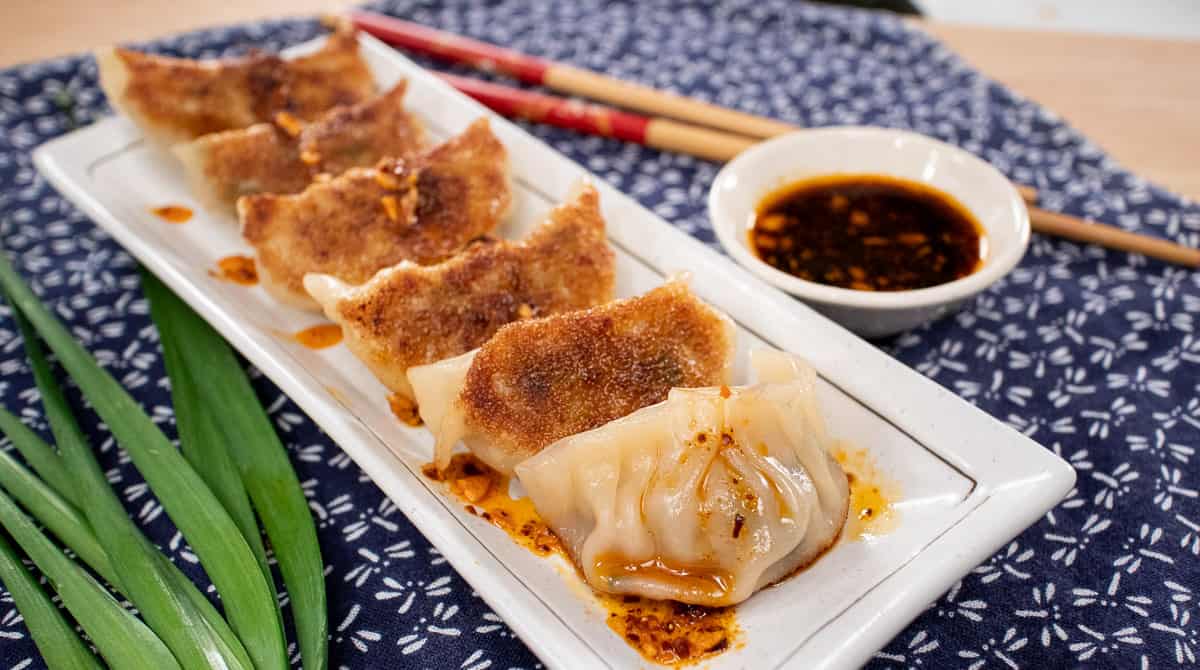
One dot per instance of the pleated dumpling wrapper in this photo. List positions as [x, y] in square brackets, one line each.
[424, 209]
[179, 99]
[285, 157]
[541, 380]
[410, 315]
[704, 498]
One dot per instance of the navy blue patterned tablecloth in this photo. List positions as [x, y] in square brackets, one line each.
[1093, 353]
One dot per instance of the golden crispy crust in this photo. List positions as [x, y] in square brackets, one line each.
[411, 315]
[358, 135]
[176, 99]
[539, 381]
[265, 158]
[423, 210]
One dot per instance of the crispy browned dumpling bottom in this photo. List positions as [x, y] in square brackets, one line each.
[270, 158]
[178, 99]
[424, 210]
[412, 315]
[538, 381]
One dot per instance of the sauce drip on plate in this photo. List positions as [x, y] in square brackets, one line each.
[485, 492]
[872, 495]
[237, 269]
[867, 232]
[662, 631]
[319, 337]
[668, 632]
[172, 213]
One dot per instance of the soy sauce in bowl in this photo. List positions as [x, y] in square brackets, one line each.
[867, 232]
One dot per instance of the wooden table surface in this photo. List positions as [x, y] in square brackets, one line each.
[1138, 98]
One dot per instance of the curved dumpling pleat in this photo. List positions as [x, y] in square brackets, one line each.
[538, 381]
[410, 315]
[704, 498]
[269, 158]
[424, 210]
[178, 99]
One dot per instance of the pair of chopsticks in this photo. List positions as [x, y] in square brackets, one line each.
[679, 124]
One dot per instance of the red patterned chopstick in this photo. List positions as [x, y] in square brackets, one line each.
[562, 77]
[598, 120]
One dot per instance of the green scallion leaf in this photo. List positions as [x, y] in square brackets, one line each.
[49, 465]
[60, 517]
[72, 529]
[123, 640]
[195, 639]
[261, 458]
[54, 636]
[200, 437]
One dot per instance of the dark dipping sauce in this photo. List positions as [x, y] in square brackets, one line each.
[867, 232]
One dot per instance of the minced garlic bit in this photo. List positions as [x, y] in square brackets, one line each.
[288, 123]
[310, 157]
[391, 206]
[404, 409]
[473, 488]
[386, 180]
[524, 311]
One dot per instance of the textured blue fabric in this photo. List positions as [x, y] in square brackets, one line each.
[1090, 352]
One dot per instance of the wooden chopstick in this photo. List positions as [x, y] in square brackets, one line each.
[654, 132]
[715, 145]
[1102, 234]
[666, 134]
[563, 77]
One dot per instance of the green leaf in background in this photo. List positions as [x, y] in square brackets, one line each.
[70, 526]
[46, 462]
[196, 640]
[54, 636]
[60, 517]
[260, 457]
[123, 640]
[200, 437]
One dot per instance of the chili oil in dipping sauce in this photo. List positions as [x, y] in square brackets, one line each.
[867, 232]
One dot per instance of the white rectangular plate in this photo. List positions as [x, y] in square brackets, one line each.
[968, 483]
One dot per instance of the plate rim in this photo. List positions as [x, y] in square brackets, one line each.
[1021, 482]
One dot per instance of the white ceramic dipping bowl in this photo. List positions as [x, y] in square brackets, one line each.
[987, 194]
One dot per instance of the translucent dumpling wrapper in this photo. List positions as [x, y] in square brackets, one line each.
[411, 314]
[704, 498]
[540, 380]
[178, 99]
[286, 157]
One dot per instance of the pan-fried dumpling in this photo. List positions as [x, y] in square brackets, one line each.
[178, 99]
[410, 315]
[541, 380]
[704, 498]
[274, 158]
[424, 210]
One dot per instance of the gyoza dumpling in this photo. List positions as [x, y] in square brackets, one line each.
[424, 210]
[178, 99]
[539, 381]
[274, 158]
[410, 315]
[704, 498]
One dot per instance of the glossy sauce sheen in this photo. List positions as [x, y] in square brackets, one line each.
[867, 232]
[172, 213]
[319, 337]
[873, 496]
[485, 492]
[237, 269]
[662, 631]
